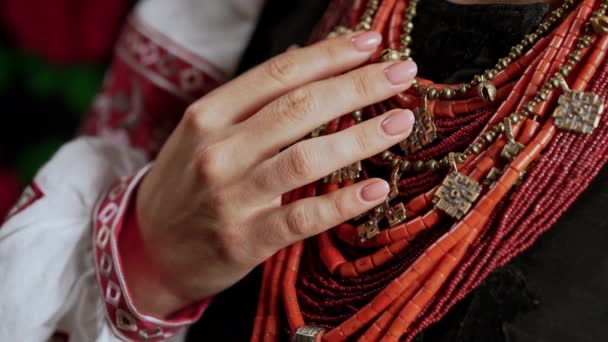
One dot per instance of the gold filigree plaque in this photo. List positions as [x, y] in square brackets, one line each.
[578, 111]
[456, 195]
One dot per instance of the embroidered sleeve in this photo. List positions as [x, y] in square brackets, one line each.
[61, 270]
[109, 219]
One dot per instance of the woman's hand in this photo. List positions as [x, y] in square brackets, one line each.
[210, 208]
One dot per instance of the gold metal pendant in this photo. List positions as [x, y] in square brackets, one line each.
[513, 147]
[457, 193]
[368, 230]
[424, 132]
[307, 333]
[351, 172]
[394, 215]
[600, 24]
[492, 176]
[486, 90]
[578, 111]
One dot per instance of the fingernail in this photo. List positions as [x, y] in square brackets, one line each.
[375, 191]
[401, 72]
[366, 41]
[398, 122]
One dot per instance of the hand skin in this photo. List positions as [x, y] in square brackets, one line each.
[210, 208]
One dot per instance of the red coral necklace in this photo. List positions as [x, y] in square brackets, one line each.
[470, 186]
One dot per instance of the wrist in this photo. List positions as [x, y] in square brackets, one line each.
[148, 285]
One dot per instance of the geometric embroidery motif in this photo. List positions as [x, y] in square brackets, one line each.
[124, 321]
[112, 293]
[105, 264]
[456, 194]
[150, 334]
[578, 111]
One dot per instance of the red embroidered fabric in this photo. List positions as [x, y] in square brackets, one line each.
[147, 89]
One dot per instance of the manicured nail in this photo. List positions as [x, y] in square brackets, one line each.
[366, 41]
[375, 191]
[401, 72]
[398, 122]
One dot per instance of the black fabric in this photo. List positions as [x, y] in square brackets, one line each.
[555, 291]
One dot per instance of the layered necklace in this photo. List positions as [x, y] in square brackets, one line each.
[490, 165]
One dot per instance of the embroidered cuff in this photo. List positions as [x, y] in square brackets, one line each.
[126, 321]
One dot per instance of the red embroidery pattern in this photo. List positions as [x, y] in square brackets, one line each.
[30, 194]
[124, 318]
[150, 83]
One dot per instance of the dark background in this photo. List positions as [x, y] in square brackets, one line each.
[52, 59]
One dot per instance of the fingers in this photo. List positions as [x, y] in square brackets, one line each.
[310, 216]
[312, 159]
[249, 92]
[292, 116]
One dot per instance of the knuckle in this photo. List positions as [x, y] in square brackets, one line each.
[332, 49]
[195, 117]
[209, 163]
[298, 163]
[282, 68]
[298, 222]
[297, 105]
[363, 86]
[341, 211]
[228, 246]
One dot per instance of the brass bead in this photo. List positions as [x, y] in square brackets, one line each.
[432, 165]
[409, 26]
[554, 82]
[463, 88]
[390, 55]
[406, 40]
[600, 24]
[460, 158]
[518, 49]
[448, 93]
[489, 136]
[499, 128]
[358, 115]
[486, 91]
[503, 63]
[395, 162]
[432, 94]
[530, 107]
[477, 79]
[529, 38]
[419, 165]
[515, 118]
[405, 166]
[364, 26]
[475, 148]
[489, 74]
[386, 155]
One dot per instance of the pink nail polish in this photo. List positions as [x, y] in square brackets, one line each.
[401, 72]
[399, 122]
[375, 191]
[366, 41]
